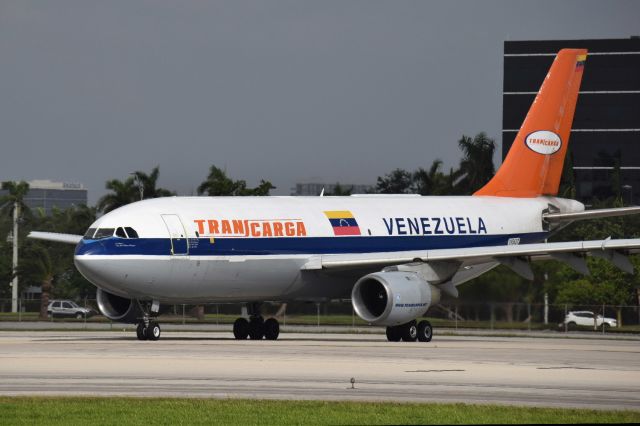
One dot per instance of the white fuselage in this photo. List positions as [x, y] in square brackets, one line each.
[212, 249]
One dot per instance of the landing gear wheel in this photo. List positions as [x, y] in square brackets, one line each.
[141, 331]
[153, 331]
[271, 329]
[256, 328]
[425, 331]
[393, 334]
[241, 329]
[409, 331]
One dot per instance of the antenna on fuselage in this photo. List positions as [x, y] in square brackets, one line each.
[322, 192]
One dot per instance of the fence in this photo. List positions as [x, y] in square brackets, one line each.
[452, 314]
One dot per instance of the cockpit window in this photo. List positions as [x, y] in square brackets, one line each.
[131, 232]
[104, 233]
[120, 233]
[89, 234]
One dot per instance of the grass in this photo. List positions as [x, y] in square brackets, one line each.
[167, 411]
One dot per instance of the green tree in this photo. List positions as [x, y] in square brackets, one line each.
[476, 166]
[219, 184]
[149, 182]
[14, 197]
[122, 193]
[36, 266]
[399, 181]
[432, 181]
[136, 187]
[339, 190]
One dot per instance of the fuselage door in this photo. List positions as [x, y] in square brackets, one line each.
[177, 233]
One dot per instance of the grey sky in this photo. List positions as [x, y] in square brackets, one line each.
[282, 90]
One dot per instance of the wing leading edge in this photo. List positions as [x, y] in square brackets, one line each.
[443, 265]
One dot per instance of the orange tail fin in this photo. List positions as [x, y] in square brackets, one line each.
[534, 163]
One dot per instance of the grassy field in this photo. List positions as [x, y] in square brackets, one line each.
[125, 411]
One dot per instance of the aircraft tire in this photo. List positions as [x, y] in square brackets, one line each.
[256, 328]
[153, 331]
[271, 329]
[425, 331]
[393, 334]
[241, 329]
[141, 332]
[409, 331]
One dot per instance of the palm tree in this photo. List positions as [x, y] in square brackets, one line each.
[430, 182]
[37, 267]
[476, 166]
[148, 183]
[14, 203]
[219, 184]
[124, 192]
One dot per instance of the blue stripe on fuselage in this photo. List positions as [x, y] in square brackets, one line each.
[295, 245]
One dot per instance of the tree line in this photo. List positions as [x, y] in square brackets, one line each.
[50, 265]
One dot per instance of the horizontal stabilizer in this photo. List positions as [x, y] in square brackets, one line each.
[55, 237]
[591, 214]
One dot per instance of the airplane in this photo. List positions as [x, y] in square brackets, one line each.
[392, 255]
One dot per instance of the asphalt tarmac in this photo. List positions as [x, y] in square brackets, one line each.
[557, 372]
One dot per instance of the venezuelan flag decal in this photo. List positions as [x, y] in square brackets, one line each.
[580, 61]
[343, 222]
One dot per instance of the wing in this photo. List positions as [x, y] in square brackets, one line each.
[55, 237]
[452, 267]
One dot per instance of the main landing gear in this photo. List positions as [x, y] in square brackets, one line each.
[410, 332]
[256, 328]
[148, 330]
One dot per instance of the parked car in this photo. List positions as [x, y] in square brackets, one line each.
[68, 308]
[586, 319]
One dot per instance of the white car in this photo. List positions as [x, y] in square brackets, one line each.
[68, 308]
[586, 319]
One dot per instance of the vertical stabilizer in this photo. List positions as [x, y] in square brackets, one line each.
[534, 163]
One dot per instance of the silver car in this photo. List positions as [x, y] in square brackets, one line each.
[68, 308]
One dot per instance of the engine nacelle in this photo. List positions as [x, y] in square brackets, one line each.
[392, 298]
[118, 308]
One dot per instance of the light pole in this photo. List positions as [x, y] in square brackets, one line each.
[630, 189]
[138, 182]
[14, 281]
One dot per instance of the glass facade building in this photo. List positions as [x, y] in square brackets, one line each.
[605, 139]
[45, 195]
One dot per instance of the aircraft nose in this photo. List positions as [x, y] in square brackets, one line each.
[88, 267]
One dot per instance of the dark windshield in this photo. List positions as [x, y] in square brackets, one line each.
[104, 233]
[89, 234]
[131, 232]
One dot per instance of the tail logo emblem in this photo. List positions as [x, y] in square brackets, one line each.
[543, 142]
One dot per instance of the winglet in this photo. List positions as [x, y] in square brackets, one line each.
[534, 163]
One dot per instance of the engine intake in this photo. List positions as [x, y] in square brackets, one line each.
[392, 298]
[118, 308]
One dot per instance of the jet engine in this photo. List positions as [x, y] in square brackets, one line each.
[118, 308]
[392, 298]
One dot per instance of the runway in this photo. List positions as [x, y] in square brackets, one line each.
[559, 372]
